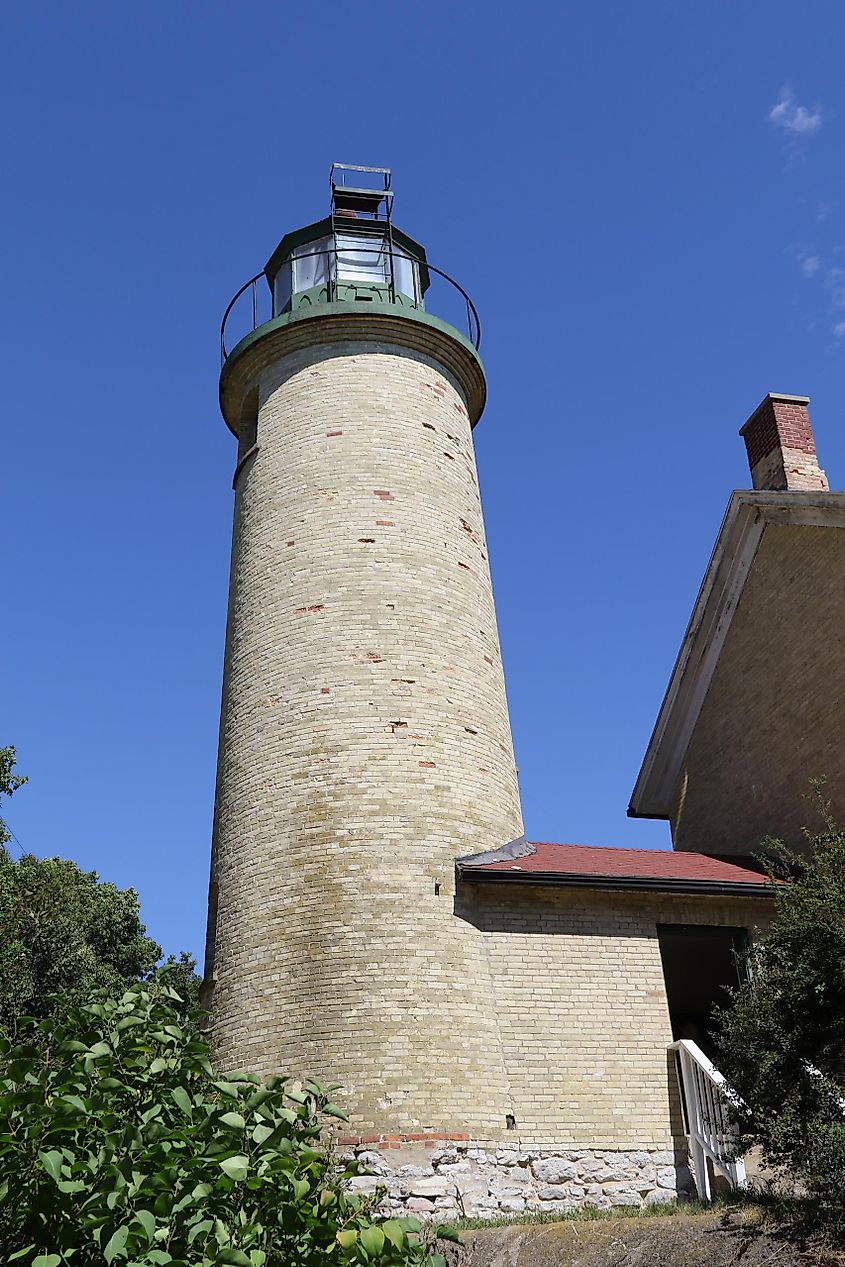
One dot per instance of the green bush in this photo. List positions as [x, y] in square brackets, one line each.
[782, 1041]
[119, 1144]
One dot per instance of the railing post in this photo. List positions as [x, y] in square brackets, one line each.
[707, 1122]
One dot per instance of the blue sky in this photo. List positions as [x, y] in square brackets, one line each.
[645, 201]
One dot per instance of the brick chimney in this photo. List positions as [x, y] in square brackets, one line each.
[780, 445]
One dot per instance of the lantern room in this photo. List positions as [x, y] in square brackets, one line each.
[355, 253]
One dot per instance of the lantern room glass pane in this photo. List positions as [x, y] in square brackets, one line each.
[361, 258]
[366, 258]
[405, 274]
[311, 264]
[281, 289]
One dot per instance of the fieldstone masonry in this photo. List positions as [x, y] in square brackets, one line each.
[461, 1178]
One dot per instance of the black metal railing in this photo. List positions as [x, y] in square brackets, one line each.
[258, 307]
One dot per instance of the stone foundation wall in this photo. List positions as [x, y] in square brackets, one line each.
[461, 1178]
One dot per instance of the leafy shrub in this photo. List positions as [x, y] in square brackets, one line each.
[119, 1144]
[782, 1040]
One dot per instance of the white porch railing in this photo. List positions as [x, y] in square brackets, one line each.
[705, 1105]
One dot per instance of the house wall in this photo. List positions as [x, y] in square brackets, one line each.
[581, 1005]
[771, 719]
[582, 1030]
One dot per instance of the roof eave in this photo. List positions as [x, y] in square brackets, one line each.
[746, 518]
[637, 884]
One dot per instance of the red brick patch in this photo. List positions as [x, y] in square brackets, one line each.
[429, 1138]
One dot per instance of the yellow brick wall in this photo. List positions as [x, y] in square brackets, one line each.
[772, 717]
[365, 743]
[581, 1007]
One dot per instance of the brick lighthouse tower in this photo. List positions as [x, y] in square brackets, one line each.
[364, 739]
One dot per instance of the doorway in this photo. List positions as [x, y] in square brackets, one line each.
[700, 962]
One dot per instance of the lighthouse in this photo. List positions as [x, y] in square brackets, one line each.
[364, 739]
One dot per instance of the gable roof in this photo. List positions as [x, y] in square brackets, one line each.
[601, 867]
[746, 519]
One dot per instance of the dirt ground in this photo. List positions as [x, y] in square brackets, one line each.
[716, 1239]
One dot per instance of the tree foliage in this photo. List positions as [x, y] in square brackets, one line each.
[65, 934]
[118, 1144]
[9, 784]
[782, 1040]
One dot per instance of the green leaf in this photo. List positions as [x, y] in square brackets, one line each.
[159, 1256]
[230, 1089]
[117, 1244]
[148, 1222]
[392, 1229]
[158, 1065]
[74, 1101]
[257, 1257]
[100, 1049]
[347, 1237]
[437, 1260]
[182, 1100]
[234, 1120]
[45, 1260]
[372, 1238]
[71, 1185]
[235, 1257]
[52, 1163]
[200, 1229]
[331, 1110]
[409, 1224]
[445, 1233]
[235, 1167]
[261, 1133]
[301, 1188]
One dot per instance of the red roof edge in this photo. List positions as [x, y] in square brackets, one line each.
[601, 867]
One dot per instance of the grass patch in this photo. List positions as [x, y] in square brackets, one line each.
[589, 1214]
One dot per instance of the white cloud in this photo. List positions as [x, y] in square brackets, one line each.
[793, 118]
[810, 265]
[839, 330]
[834, 280]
